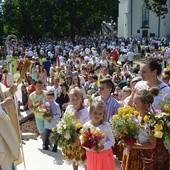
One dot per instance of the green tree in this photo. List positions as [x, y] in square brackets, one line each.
[85, 16]
[159, 7]
[1, 21]
[10, 16]
[57, 17]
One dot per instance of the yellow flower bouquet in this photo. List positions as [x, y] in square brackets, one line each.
[158, 122]
[67, 135]
[159, 126]
[126, 125]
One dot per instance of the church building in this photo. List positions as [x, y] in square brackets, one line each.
[136, 20]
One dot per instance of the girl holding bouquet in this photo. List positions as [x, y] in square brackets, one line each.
[77, 105]
[140, 154]
[98, 149]
[77, 108]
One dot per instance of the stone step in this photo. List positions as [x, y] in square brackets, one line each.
[28, 135]
[24, 116]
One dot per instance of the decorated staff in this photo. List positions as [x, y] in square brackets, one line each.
[26, 66]
[10, 43]
[13, 137]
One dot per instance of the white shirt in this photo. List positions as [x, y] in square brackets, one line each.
[50, 54]
[130, 56]
[41, 52]
[87, 51]
[30, 53]
[123, 57]
[84, 114]
[143, 136]
[86, 58]
[94, 52]
[103, 63]
[61, 58]
[56, 112]
[77, 48]
[82, 80]
[163, 92]
[167, 54]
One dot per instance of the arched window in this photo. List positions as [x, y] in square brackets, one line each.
[145, 17]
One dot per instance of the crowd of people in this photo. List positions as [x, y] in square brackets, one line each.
[92, 80]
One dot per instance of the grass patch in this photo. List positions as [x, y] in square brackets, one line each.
[137, 60]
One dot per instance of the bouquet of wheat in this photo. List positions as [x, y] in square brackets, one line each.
[26, 66]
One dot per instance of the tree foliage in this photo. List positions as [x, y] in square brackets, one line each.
[57, 17]
[157, 6]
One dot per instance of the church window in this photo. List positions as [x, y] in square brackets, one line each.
[145, 17]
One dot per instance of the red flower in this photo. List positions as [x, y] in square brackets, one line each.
[86, 135]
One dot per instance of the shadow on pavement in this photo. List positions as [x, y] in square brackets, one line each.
[58, 157]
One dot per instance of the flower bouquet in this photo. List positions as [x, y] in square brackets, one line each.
[88, 99]
[158, 123]
[126, 125]
[61, 75]
[91, 138]
[159, 126]
[36, 108]
[67, 134]
[43, 110]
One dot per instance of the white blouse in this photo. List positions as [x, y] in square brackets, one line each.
[143, 136]
[84, 114]
[105, 127]
[163, 92]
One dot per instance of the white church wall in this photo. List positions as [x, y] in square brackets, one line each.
[122, 24]
[167, 19]
[136, 17]
[153, 23]
[124, 20]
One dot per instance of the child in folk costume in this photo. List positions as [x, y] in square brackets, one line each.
[139, 156]
[102, 158]
[77, 108]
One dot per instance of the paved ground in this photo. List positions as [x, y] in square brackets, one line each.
[38, 159]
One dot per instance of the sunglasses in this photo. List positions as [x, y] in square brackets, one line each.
[115, 94]
[101, 88]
